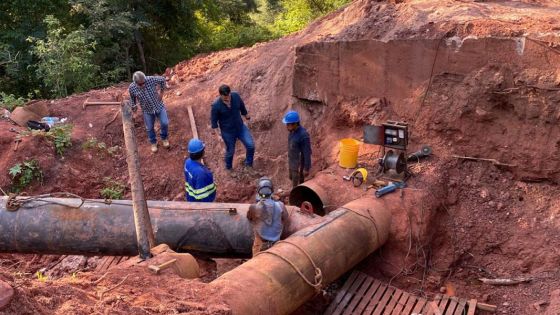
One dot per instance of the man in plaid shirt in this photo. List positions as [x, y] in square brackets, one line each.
[144, 90]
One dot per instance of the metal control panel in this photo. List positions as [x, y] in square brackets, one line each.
[395, 135]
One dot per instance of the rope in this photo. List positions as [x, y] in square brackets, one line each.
[318, 281]
[369, 217]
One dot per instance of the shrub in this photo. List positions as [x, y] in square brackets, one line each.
[112, 190]
[93, 143]
[10, 102]
[24, 173]
[60, 135]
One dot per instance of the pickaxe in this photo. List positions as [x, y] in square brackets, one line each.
[96, 103]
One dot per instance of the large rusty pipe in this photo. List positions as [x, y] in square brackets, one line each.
[326, 192]
[144, 232]
[62, 226]
[347, 236]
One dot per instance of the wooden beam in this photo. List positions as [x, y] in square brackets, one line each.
[193, 122]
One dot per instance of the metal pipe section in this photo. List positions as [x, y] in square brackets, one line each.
[68, 227]
[144, 232]
[347, 236]
[325, 192]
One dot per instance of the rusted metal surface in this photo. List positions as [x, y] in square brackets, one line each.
[268, 284]
[144, 231]
[325, 192]
[62, 226]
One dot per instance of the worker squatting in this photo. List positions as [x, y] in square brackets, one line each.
[267, 215]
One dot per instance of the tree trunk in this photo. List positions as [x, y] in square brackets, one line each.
[138, 39]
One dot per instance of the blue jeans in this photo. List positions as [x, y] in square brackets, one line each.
[244, 135]
[149, 121]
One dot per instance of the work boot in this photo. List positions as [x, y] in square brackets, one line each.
[154, 147]
[166, 144]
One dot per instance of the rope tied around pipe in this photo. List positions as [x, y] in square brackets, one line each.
[318, 281]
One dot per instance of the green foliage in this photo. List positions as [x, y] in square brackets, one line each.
[58, 47]
[24, 173]
[10, 102]
[65, 59]
[113, 190]
[93, 143]
[61, 137]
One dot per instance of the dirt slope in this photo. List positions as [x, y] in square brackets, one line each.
[452, 69]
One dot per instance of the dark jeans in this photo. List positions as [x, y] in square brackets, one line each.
[149, 121]
[244, 135]
[297, 177]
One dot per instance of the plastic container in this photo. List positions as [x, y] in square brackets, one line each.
[348, 156]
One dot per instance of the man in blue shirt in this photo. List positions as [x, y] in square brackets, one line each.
[268, 217]
[299, 148]
[144, 90]
[199, 181]
[226, 114]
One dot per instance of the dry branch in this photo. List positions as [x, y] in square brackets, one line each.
[504, 281]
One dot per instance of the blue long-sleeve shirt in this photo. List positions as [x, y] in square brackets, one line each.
[199, 182]
[299, 149]
[228, 118]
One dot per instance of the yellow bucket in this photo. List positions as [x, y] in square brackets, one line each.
[348, 156]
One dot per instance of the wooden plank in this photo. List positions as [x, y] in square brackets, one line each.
[383, 303]
[400, 304]
[393, 302]
[433, 308]
[443, 303]
[419, 306]
[358, 296]
[342, 292]
[193, 122]
[350, 294]
[452, 305]
[375, 299]
[409, 305]
[460, 310]
[368, 297]
[472, 307]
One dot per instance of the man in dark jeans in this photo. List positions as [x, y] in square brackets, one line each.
[299, 148]
[227, 110]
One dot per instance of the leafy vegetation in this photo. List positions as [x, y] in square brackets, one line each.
[10, 102]
[93, 143]
[58, 47]
[60, 135]
[24, 173]
[113, 189]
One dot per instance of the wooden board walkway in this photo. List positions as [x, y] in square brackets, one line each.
[362, 294]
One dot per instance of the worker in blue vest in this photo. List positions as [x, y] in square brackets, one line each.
[199, 181]
[268, 217]
[299, 149]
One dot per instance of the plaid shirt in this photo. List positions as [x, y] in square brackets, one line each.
[147, 94]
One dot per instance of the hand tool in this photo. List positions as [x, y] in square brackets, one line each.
[157, 269]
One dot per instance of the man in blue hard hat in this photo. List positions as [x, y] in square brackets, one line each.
[227, 110]
[299, 148]
[199, 181]
[268, 217]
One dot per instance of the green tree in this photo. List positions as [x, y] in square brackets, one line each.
[65, 59]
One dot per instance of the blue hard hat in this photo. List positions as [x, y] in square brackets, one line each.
[195, 146]
[291, 117]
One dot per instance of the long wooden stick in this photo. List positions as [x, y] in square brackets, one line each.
[504, 281]
[471, 158]
[193, 123]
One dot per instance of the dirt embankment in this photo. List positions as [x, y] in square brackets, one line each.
[471, 78]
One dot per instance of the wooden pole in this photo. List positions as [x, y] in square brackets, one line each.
[144, 231]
